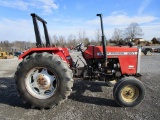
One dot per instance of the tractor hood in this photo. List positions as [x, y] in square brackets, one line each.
[97, 51]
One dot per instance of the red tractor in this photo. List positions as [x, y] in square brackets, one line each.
[45, 76]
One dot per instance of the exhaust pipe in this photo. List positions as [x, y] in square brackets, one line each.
[103, 41]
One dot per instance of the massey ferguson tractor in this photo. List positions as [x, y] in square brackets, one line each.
[44, 78]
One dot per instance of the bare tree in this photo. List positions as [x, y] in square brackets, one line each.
[5, 45]
[133, 30]
[98, 36]
[86, 42]
[93, 42]
[54, 40]
[117, 34]
[82, 36]
[62, 41]
[72, 42]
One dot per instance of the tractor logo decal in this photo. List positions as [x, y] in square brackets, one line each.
[117, 53]
[131, 67]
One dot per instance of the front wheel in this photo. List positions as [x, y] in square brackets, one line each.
[129, 92]
[43, 80]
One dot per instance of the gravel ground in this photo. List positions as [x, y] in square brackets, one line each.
[88, 101]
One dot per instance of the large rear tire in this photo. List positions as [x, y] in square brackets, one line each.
[129, 92]
[44, 80]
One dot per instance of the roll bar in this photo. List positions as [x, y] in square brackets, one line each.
[37, 33]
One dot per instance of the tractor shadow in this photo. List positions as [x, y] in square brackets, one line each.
[81, 87]
[9, 94]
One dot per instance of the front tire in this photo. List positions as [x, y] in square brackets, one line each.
[44, 80]
[129, 92]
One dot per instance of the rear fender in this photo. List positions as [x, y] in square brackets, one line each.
[55, 50]
[68, 57]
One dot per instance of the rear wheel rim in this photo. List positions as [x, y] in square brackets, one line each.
[129, 93]
[41, 82]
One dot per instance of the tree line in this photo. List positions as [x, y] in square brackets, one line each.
[57, 41]
[72, 40]
[15, 46]
[119, 37]
[128, 34]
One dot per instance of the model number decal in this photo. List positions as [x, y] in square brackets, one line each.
[99, 54]
[117, 53]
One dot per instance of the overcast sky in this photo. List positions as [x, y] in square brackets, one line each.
[65, 17]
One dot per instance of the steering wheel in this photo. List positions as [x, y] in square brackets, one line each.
[78, 47]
